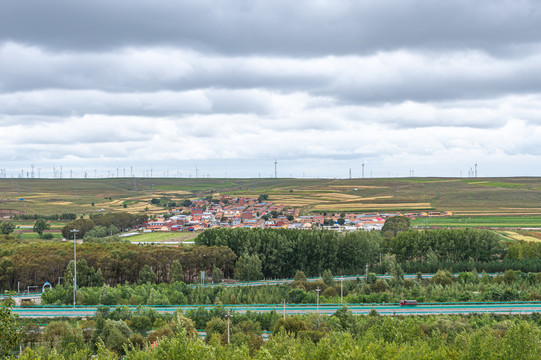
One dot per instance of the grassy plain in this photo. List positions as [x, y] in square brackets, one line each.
[464, 197]
[164, 236]
[526, 221]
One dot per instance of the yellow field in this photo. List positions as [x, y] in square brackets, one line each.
[516, 236]
[329, 200]
[334, 196]
[357, 187]
[354, 206]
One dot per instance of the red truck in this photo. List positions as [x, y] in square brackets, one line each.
[408, 302]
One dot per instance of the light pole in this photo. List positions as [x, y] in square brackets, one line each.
[74, 231]
[342, 290]
[317, 305]
[228, 317]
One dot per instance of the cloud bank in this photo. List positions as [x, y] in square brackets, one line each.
[229, 86]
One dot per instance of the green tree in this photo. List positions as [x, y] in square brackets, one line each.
[40, 226]
[248, 267]
[61, 335]
[187, 203]
[115, 334]
[341, 221]
[291, 325]
[328, 278]
[146, 275]
[83, 225]
[9, 335]
[216, 327]
[396, 224]
[86, 275]
[443, 277]
[217, 275]
[176, 273]
[300, 276]
[6, 228]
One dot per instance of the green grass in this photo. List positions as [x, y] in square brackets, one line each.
[33, 235]
[479, 221]
[164, 236]
[505, 185]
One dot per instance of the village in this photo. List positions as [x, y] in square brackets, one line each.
[247, 212]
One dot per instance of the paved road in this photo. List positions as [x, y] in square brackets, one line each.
[328, 309]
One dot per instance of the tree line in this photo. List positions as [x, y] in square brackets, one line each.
[284, 251]
[251, 254]
[447, 245]
[38, 262]
[53, 217]
[121, 220]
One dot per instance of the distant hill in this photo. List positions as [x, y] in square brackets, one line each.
[471, 196]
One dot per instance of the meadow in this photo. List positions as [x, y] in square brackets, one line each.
[502, 197]
[496, 221]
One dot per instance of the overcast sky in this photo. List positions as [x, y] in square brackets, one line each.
[418, 87]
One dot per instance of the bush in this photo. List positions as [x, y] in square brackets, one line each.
[443, 277]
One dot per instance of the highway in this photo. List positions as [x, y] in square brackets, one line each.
[336, 278]
[327, 309]
[36, 297]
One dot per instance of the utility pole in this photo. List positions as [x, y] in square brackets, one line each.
[367, 273]
[284, 309]
[74, 231]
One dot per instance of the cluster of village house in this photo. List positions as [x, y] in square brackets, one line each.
[251, 213]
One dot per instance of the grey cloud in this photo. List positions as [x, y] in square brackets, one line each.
[385, 77]
[303, 28]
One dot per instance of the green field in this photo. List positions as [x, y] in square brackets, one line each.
[480, 221]
[164, 236]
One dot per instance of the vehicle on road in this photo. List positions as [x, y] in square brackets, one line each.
[408, 302]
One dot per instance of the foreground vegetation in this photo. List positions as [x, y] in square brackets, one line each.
[442, 287]
[145, 334]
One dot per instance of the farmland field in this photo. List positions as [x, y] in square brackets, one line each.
[480, 221]
[480, 197]
[520, 237]
[164, 236]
